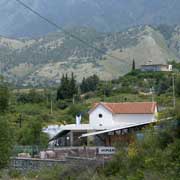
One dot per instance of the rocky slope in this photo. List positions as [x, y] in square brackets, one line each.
[44, 60]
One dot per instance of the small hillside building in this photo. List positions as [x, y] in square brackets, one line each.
[156, 67]
[109, 123]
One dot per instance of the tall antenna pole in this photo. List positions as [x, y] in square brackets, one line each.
[174, 94]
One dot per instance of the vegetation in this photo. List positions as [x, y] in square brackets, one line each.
[4, 97]
[68, 88]
[89, 84]
[6, 137]
[6, 141]
[156, 156]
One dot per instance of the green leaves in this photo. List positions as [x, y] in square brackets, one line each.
[31, 133]
[6, 141]
[4, 98]
[68, 87]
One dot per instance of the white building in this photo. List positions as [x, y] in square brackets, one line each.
[156, 67]
[105, 118]
[107, 115]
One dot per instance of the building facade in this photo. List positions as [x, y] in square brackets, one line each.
[156, 67]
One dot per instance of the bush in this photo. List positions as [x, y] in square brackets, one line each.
[62, 104]
[6, 141]
[14, 173]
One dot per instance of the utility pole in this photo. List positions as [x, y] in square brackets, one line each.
[174, 94]
[20, 120]
[152, 93]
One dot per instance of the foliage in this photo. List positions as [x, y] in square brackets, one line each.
[89, 84]
[4, 97]
[177, 86]
[14, 174]
[76, 109]
[6, 141]
[154, 157]
[68, 88]
[31, 97]
[105, 89]
[31, 133]
[176, 65]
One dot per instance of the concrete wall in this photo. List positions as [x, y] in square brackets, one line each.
[106, 119]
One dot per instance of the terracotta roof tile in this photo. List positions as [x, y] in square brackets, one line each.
[129, 107]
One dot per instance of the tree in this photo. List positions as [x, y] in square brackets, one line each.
[178, 86]
[68, 87]
[62, 92]
[72, 86]
[5, 141]
[4, 98]
[31, 97]
[133, 65]
[89, 84]
[83, 86]
[31, 133]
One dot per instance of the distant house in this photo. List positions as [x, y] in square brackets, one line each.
[156, 67]
[109, 123]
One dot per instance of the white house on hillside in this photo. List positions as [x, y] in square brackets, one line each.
[108, 115]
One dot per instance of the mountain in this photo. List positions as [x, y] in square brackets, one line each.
[43, 60]
[103, 15]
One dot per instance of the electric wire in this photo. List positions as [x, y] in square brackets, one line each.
[64, 31]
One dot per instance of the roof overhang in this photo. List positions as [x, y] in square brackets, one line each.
[60, 134]
[75, 128]
[116, 129]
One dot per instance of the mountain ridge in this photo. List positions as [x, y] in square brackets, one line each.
[43, 60]
[107, 16]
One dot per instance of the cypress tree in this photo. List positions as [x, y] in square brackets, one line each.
[133, 65]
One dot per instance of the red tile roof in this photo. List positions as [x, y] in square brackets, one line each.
[129, 107]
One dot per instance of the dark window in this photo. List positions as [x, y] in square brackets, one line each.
[100, 115]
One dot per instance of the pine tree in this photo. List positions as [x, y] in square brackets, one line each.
[68, 87]
[72, 86]
[83, 85]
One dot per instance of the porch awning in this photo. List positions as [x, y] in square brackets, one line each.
[60, 134]
[115, 129]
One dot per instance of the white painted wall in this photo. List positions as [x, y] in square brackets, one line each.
[133, 118]
[111, 120]
[97, 122]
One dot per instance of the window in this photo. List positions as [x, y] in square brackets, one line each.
[100, 115]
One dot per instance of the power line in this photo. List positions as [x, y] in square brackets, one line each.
[64, 31]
